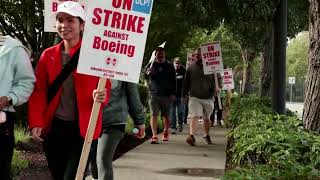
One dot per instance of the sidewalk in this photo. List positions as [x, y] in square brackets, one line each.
[175, 160]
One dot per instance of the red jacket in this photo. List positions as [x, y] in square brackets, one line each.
[49, 66]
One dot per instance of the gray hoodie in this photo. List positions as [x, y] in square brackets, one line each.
[16, 73]
[124, 100]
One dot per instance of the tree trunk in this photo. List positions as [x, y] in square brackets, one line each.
[311, 109]
[265, 65]
[247, 57]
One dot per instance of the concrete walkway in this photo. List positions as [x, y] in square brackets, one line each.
[175, 160]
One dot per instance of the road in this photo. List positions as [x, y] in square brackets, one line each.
[295, 107]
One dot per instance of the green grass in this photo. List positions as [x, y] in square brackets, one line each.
[18, 163]
[21, 134]
[130, 124]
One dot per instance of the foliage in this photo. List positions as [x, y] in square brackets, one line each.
[24, 20]
[167, 24]
[21, 134]
[297, 56]
[230, 48]
[297, 17]
[130, 124]
[247, 103]
[18, 163]
[267, 146]
[144, 95]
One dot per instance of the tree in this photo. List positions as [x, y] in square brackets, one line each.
[311, 109]
[230, 48]
[24, 20]
[167, 24]
[297, 55]
[251, 23]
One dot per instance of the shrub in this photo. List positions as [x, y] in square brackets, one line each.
[18, 163]
[267, 146]
[144, 95]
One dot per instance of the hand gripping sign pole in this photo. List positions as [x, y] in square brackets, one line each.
[100, 46]
[89, 135]
[153, 55]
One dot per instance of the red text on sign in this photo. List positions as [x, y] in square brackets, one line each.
[116, 47]
[126, 4]
[211, 54]
[118, 20]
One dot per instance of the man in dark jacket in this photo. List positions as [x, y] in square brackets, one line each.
[161, 78]
[178, 104]
[201, 89]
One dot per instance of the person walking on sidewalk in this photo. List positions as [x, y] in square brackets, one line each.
[178, 103]
[16, 85]
[124, 99]
[60, 108]
[201, 89]
[161, 78]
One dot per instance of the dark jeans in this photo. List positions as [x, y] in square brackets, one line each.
[63, 147]
[177, 105]
[216, 108]
[107, 146]
[92, 160]
[6, 146]
[186, 112]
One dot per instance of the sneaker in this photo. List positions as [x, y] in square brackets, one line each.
[173, 131]
[154, 140]
[207, 139]
[219, 124]
[212, 124]
[191, 140]
[165, 136]
[180, 127]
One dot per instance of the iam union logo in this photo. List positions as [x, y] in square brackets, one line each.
[111, 61]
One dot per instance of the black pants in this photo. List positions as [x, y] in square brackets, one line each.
[6, 146]
[216, 108]
[63, 147]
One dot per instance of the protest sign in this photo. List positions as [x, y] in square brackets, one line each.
[211, 57]
[114, 39]
[51, 6]
[191, 58]
[227, 80]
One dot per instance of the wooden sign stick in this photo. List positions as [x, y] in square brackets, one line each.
[89, 136]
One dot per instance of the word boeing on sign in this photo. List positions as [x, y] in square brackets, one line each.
[114, 38]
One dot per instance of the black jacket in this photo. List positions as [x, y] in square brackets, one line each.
[180, 75]
[162, 82]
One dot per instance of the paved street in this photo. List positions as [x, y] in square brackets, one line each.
[295, 107]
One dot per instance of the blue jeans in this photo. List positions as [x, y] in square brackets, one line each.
[177, 105]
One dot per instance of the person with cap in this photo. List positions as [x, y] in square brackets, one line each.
[61, 103]
[16, 84]
[161, 78]
[178, 103]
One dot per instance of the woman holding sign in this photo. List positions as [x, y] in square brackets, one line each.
[60, 106]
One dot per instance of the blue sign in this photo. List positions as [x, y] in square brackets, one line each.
[143, 6]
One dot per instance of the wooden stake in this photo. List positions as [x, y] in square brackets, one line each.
[89, 136]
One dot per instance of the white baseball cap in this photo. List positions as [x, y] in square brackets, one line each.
[70, 7]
